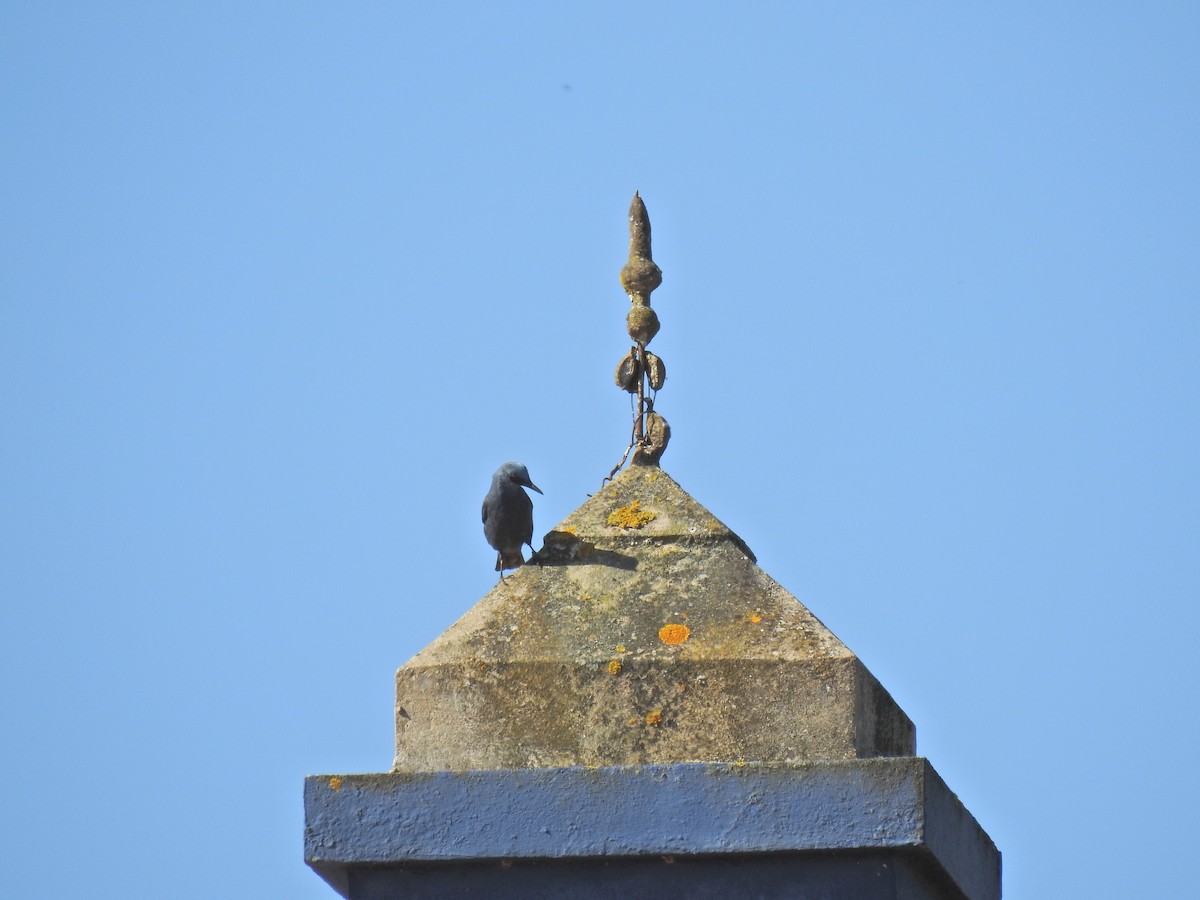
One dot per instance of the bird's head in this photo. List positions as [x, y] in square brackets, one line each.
[518, 474]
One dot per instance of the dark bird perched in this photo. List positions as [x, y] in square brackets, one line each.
[508, 515]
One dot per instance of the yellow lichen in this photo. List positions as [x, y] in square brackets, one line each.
[633, 720]
[614, 667]
[631, 516]
[654, 717]
[335, 783]
[674, 634]
[620, 648]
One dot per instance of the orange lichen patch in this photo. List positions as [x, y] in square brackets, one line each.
[755, 618]
[674, 634]
[614, 667]
[570, 529]
[631, 516]
[633, 720]
[335, 783]
[654, 717]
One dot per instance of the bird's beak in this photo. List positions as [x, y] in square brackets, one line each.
[530, 484]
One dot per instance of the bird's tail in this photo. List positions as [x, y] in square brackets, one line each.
[511, 560]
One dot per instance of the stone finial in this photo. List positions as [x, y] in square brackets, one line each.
[640, 275]
[640, 369]
[645, 707]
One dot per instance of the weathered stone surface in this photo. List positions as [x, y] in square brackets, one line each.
[648, 636]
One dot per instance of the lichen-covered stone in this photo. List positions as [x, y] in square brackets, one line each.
[629, 373]
[658, 435]
[656, 371]
[642, 323]
[664, 642]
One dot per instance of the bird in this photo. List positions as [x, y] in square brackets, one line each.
[508, 515]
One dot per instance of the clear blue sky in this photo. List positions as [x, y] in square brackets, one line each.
[283, 283]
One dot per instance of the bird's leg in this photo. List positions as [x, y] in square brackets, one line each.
[533, 556]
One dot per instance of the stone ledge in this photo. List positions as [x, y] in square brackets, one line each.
[686, 809]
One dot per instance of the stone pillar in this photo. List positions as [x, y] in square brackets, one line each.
[646, 714]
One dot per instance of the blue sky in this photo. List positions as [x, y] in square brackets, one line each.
[282, 284]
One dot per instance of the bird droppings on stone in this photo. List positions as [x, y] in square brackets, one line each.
[631, 516]
[674, 634]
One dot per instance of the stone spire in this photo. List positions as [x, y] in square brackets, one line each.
[648, 634]
[645, 708]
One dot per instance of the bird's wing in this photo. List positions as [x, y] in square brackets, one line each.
[484, 512]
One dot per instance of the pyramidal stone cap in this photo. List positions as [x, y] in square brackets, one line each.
[649, 635]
